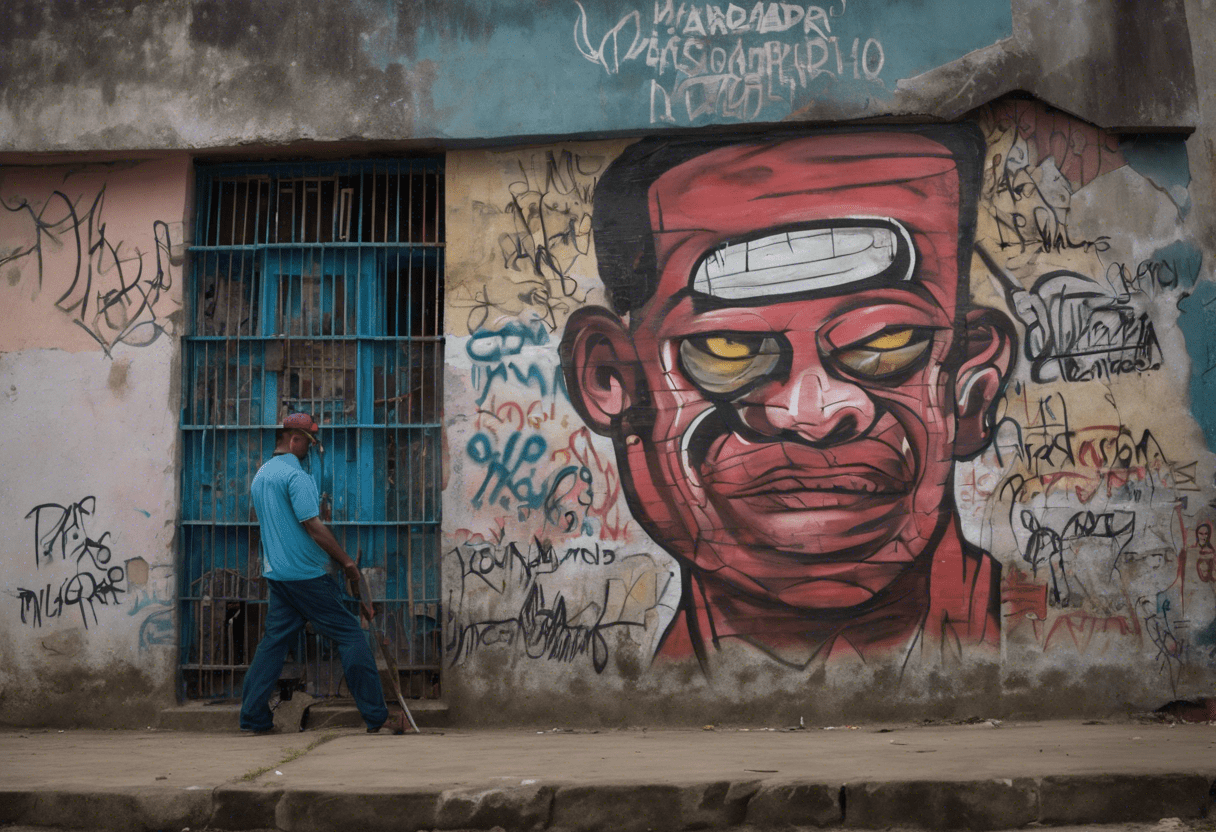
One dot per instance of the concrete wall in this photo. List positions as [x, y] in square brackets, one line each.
[167, 74]
[1086, 507]
[90, 304]
[1041, 539]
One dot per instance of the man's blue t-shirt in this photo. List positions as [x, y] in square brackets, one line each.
[284, 497]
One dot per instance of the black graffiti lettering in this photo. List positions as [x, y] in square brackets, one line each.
[542, 630]
[1130, 346]
[84, 590]
[37, 603]
[551, 213]
[1046, 443]
[59, 530]
[483, 560]
[1079, 330]
[60, 536]
[548, 633]
[1148, 277]
[1047, 546]
[1041, 230]
[124, 309]
[1053, 235]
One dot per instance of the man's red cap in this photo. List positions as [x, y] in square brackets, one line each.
[301, 421]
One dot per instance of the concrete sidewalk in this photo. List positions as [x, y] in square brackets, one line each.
[982, 776]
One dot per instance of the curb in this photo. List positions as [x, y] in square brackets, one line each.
[630, 807]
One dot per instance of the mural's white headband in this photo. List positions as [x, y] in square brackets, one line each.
[806, 259]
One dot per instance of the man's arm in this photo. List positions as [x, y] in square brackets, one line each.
[319, 532]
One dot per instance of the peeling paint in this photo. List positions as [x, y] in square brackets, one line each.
[1181, 260]
[1163, 161]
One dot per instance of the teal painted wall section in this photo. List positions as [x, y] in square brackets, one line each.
[1179, 264]
[516, 67]
[1163, 161]
[1198, 325]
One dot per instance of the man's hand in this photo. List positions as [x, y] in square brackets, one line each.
[366, 611]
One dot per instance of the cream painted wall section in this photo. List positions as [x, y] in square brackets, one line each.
[89, 394]
[547, 581]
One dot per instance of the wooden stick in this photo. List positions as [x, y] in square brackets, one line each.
[363, 591]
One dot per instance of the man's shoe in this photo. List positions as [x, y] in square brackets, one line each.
[396, 725]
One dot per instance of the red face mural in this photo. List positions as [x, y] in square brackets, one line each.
[790, 389]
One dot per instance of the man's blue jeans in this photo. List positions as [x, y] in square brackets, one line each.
[292, 603]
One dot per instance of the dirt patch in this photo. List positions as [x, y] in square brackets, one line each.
[117, 380]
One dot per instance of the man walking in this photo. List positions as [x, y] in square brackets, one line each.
[296, 549]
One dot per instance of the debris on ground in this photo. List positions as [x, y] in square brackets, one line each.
[1188, 710]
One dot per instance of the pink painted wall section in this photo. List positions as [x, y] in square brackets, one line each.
[90, 253]
[90, 296]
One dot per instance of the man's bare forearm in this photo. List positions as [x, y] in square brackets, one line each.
[319, 532]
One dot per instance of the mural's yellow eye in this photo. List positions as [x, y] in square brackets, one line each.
[725, 364]
[720, 346]
[885, 355]
[891, 340]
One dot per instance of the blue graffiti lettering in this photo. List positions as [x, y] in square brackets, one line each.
[503, 469]
[494, 345]
[534, 376]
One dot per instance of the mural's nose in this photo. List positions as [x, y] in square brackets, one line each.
[810, 405]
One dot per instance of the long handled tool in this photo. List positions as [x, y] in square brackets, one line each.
[393, 674]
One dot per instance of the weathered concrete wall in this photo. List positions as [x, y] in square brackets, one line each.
[1090, 496]
[90, 298]
[123, 74]
[713, 504]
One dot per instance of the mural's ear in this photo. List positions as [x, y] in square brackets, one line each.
[601, 367]
[990, 343]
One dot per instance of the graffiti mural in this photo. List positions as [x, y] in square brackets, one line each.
[793, 384]
[819, 399]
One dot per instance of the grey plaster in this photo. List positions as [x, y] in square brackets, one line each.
[1125, 66]
[197, 74]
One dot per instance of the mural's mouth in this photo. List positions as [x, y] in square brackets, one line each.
[788, 476]
[798, 489]
[784, 482]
